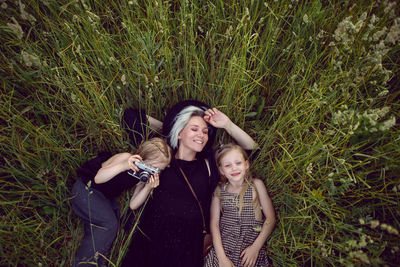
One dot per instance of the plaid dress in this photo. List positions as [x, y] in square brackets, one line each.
[237, 231]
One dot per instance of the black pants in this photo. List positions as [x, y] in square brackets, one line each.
[100, 218]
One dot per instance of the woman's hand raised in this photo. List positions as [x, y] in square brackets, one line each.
[216, 118]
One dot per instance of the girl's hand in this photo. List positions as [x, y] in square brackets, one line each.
[216, 118]
[154, 181]
[131, 162]
[225, 262]
[249, 256]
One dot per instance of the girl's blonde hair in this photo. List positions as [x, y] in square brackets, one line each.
[248, 178]
[155, 149]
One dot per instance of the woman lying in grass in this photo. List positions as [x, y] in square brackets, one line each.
[101, 180]
[175, 219]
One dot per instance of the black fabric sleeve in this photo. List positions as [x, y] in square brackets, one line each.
[89, 169]
[135, 123]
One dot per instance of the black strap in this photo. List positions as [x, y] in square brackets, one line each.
[195, 196]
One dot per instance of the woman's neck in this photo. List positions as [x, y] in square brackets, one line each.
[185, 154]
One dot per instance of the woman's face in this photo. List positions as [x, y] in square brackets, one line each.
[195, 135]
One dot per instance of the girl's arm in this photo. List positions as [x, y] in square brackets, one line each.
[219, 120]
[250, 254]
[215, 232]
[142, 190]
[115, 165]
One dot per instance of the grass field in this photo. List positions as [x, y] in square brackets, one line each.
[315, 83]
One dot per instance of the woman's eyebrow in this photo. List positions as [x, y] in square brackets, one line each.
[196, 125]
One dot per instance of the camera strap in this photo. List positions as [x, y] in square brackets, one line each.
[195, 196]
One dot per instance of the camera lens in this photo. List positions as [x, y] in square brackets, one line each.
[144, 176]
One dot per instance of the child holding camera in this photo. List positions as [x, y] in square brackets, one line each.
[101, 180]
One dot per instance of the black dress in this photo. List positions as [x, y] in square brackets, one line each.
[172, 222]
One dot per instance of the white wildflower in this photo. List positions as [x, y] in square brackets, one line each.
[384, 226]
[73, 97]
[363, 241]
[321, 34]
[306, 20]
[309, 168]
[389, 6]
[360, 255]
[374, 19]
[360, 23]
[394, 33]
[382, 111]
[78, 50]
[100, 61]
[123, 79]
[4, 5]
[25, 15]
[374, 224]
[379, 34]
[386, 125]
[16, 28]
[30, 60]
[362, 221]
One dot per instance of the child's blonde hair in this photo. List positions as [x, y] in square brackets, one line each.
[155, 149]
[248, 178]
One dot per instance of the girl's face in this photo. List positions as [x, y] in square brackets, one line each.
[195, 135]
[233, 166]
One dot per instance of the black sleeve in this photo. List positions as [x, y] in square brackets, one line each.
[89, 169]
[135, 123]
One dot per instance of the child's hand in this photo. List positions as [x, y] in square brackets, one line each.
[216, 118]
[225, 262]
[249, 256]
[154, 181]
[131, 162]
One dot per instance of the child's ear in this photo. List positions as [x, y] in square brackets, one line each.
[247, 164]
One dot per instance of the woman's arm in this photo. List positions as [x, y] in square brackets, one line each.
[154, 123]
[215, 232]
[250, 254]
[142, 190]
[219, 120]
[115, 165]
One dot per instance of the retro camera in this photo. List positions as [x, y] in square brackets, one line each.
[144, 172]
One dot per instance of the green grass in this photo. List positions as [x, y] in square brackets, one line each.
[315, 83]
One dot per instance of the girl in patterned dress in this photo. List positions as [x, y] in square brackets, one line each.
[238, 228]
